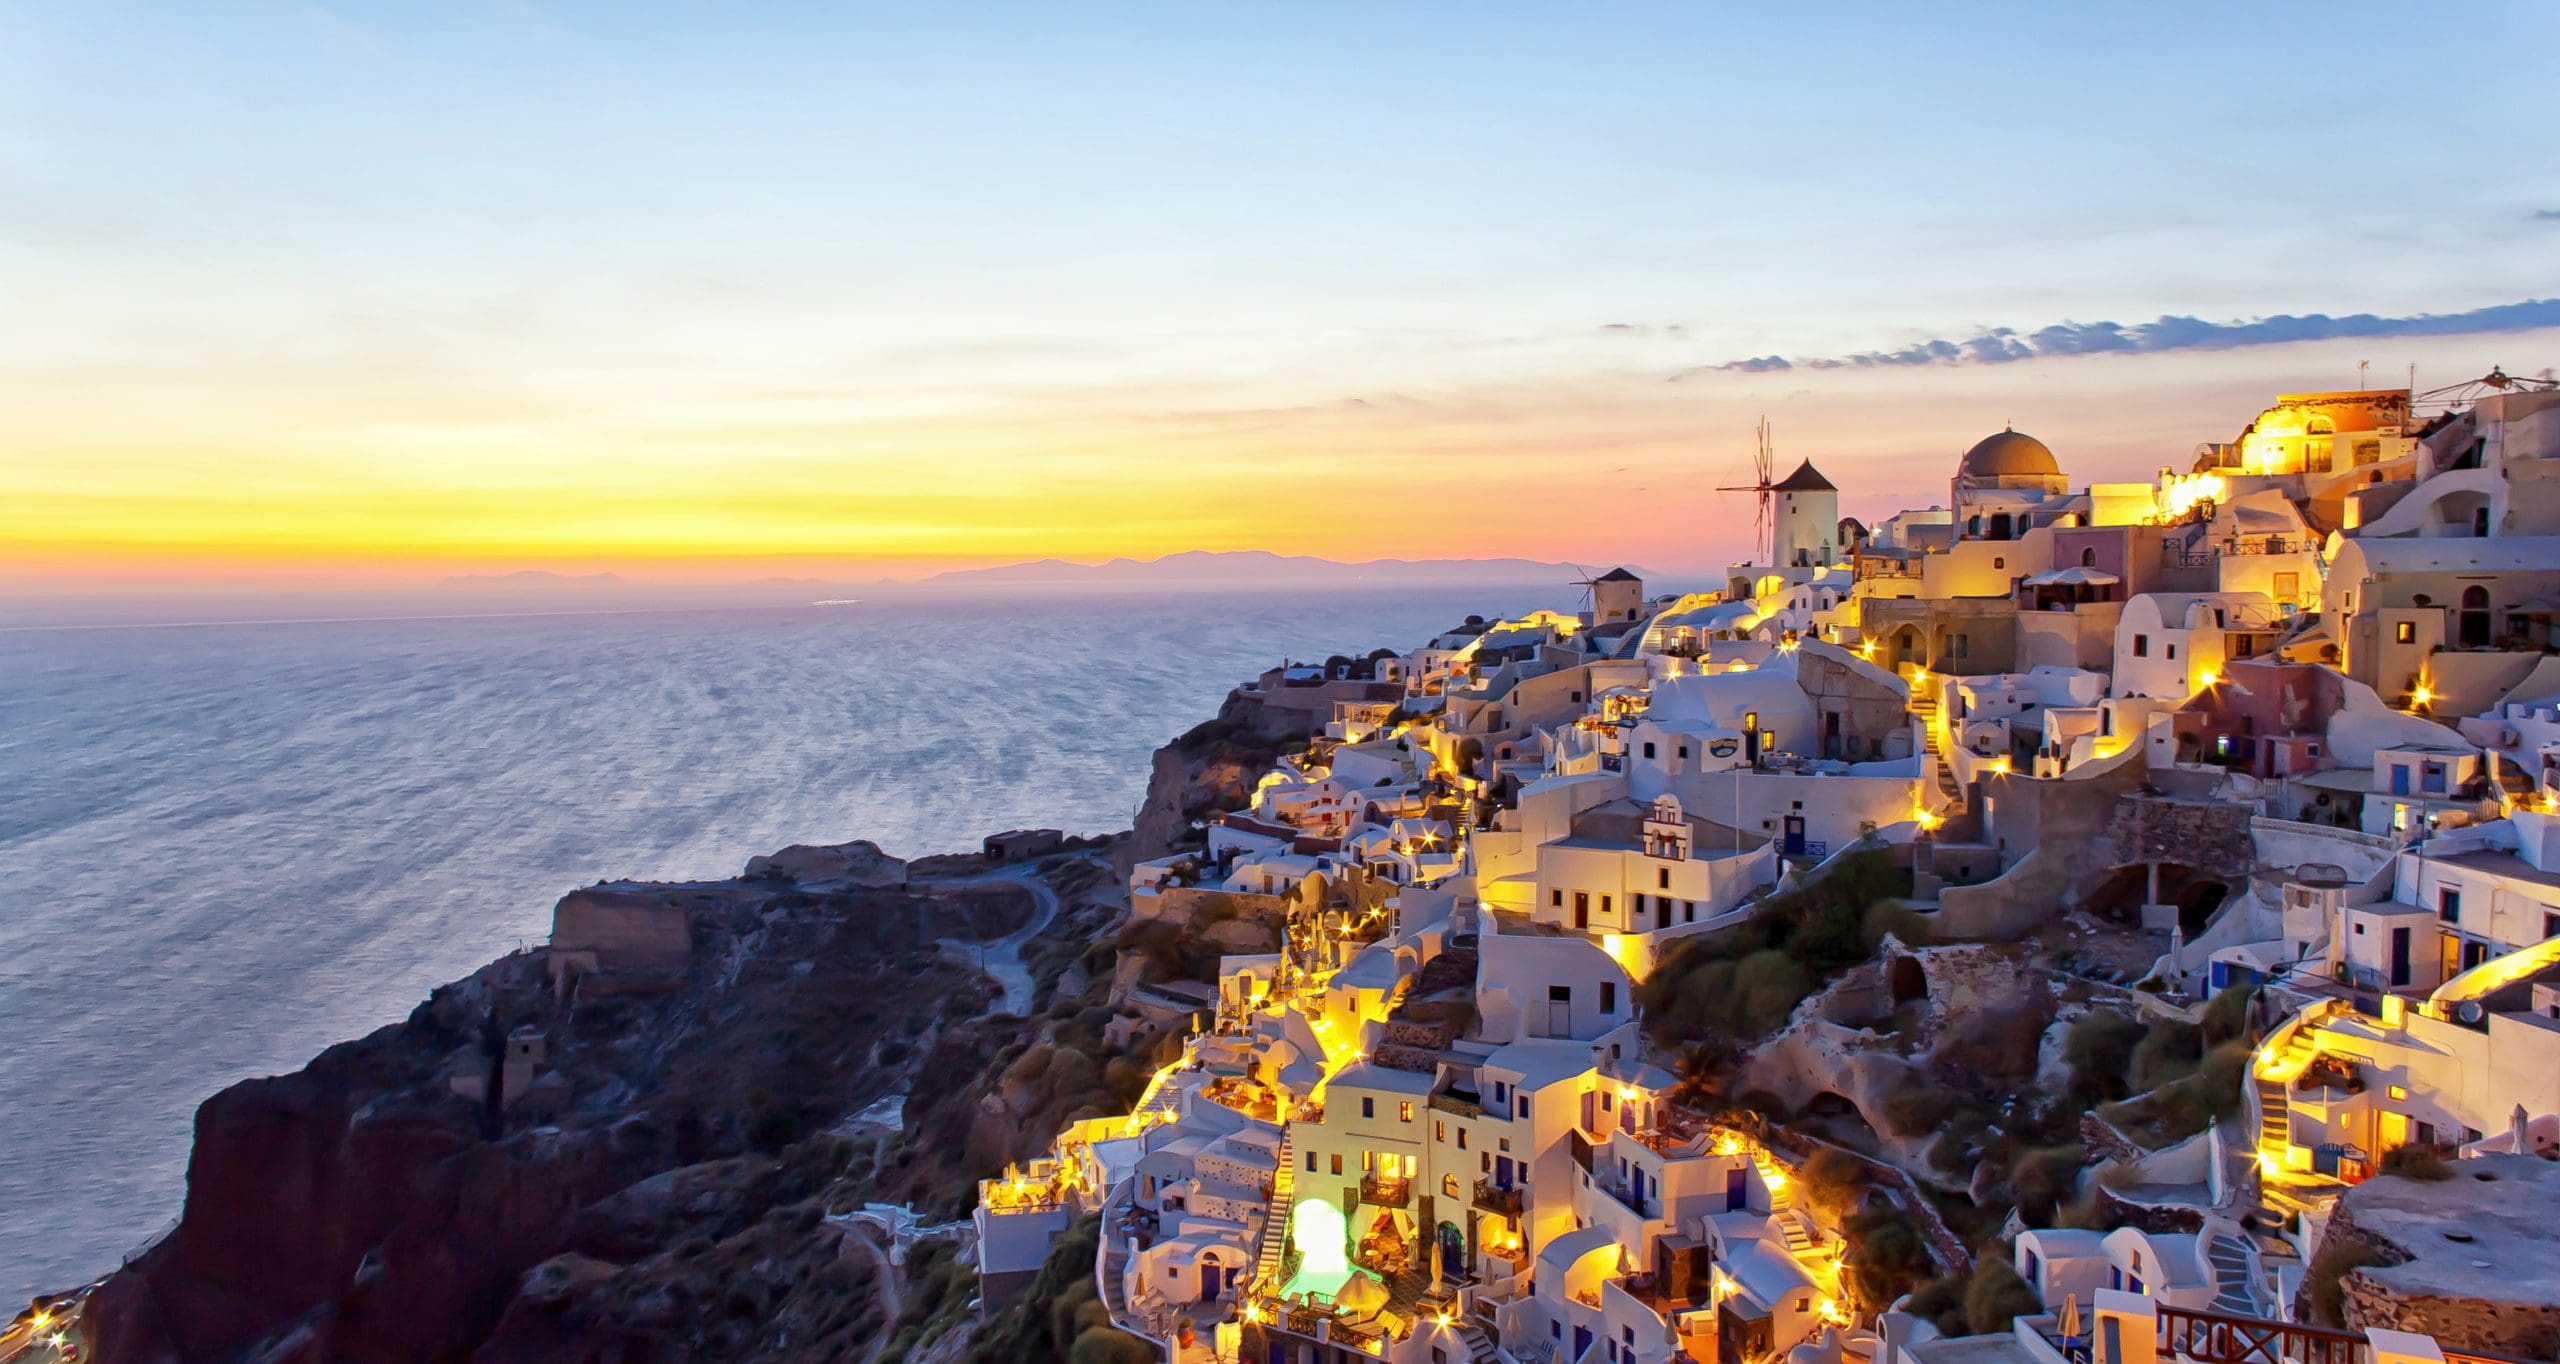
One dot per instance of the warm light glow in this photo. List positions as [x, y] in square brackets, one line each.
[2179, 495]
[2420, 696]
[2207, 678]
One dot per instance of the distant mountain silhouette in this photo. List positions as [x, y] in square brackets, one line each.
[1202, 566]
[536, 577]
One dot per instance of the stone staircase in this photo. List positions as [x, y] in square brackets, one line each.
[2274, 1104]
[1925, 710]
[1802, 1240]
[1275, 1224]
[2235, 1282]
[1480, 1348]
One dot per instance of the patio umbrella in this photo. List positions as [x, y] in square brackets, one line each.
[2069, 1326]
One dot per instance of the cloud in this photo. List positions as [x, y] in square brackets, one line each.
[2546, 215]
[2005, 345]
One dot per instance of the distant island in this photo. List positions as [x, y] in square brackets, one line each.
[1254, 566]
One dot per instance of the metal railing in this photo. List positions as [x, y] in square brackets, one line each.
[1386, 1191]
[2213, 1338]
[1501, 1200]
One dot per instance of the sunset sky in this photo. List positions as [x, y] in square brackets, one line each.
[338, 294]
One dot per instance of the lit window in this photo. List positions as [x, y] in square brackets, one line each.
[2399, 1092]
[1404, 1111]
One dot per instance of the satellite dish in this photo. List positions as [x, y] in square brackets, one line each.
[2470, 1012]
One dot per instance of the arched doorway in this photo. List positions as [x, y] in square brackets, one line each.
[1999, 525]
[2474, 625]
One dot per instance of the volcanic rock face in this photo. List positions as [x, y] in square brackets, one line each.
[1214, 767]
[362, 1210]
[859, 864]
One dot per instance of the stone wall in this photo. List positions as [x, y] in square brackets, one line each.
[2496, 1290]
[2212, 837]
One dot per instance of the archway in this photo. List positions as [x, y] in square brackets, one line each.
[2474, 629]
[1999, 525]
[1907, 980]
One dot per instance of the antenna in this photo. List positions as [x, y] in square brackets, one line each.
[1762, 527]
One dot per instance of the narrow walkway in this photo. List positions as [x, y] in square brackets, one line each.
[1001, 958]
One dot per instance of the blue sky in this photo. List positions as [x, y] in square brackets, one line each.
[383, 244]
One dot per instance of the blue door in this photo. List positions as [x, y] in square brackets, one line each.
[1733, 1188]
[1581, 1340]
[1502, 1172]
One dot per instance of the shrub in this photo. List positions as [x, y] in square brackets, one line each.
[1891, 916]
[1996, 1049]
[2046, 1177]
[1764, 1102]
[2170, 1051]
[2416, 1160]
[2099, 1049]
[1110, 1345]
[1887, 1254]
[2320, 1283]
[1767, 986]
[1831, 1179]
[2227, 1017]
[1996, 1295]
[2191, 1105]
[1917, 1110]
[1940, 1302]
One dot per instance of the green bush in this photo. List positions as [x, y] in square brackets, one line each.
[1831, 1179]
[1996, 1295]
[1887, 1254]
[1110, 1345]
[2046, 1177]
[1891, 916]
[1994, 1050]
[2099, 1049]
[1767, 986]
[2213, 1093]
[1940, 1302]
[1917, 1110]
[2227, 1016]
[2413, 1160]
[2170, 1051]
[2320, 1283]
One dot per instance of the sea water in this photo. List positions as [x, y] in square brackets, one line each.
[225, 847]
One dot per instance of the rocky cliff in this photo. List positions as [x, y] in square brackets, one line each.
[521, 1172]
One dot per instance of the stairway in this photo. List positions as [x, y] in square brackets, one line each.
[1802, 1241]
[2274, 1105]
[1925, 710]
[1275, 1224]
[1479, 1345]
[2235, 1287]
[1115, 1263]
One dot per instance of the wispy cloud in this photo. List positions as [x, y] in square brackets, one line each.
[2005, 345]
[2546, 215]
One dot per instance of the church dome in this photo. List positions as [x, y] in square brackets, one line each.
[2010, 454]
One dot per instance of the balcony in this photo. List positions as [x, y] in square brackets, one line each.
[1457, 1101]
[1386, 1191]
[1499, 1200]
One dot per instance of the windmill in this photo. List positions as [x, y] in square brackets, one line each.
[1590, 603]
[1765, 463]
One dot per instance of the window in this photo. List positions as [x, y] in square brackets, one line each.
[1337, 1163]
[1556, 898]
[1688, 911]
[1368, 1106]
[1449, 1186]
[2170, 652]
[1462, 1138]
[1524, 1106]
[1404, 1111]
[1311, 1162]
[2142, 646]
[1608, 1105]
[1608, 996]
[2551, 925]
[1999, 563]
[1440, 1130]
[1648, 748]
[1604, 904]
[1503, 1143]
[1501, 1095]
[2088, 558]
[2449, 904]
[2288, 585]
[2406, 632]
[1684, 750]
[2248, 645]
[1662, 878]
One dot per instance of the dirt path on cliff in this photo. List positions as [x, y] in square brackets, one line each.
[884, 1279]
[1001, 958]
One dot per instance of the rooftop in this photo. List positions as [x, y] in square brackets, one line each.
[2486, 1234]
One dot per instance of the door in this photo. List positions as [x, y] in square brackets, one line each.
[1831, 734]
[1735, 1189]
[1795, 835]
[1581, 1340]
[1502, 1172]
[1662, 911]
[2399, 956]
[1582, 909]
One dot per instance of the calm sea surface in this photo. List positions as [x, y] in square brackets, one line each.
[223, 848]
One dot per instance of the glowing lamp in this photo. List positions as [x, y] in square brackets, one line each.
[2421, 696]
[2207, 678]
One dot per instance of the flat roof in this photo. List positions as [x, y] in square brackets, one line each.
[2498, 862]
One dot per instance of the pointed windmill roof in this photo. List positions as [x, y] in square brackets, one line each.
[1806, 479]
[1617, 575]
